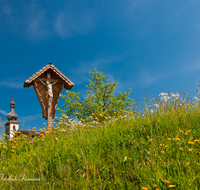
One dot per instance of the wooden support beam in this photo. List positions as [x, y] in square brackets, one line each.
[45, 79]
[38, 94]
[49, 118]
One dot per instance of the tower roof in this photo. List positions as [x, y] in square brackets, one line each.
[12, 115]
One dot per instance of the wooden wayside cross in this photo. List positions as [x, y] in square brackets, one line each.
[48, 83]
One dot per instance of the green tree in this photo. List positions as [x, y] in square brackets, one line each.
[100, 100]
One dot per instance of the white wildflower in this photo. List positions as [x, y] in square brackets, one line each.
[195, 98]
[156, 105]
[173, 95]
[164, 98]
[162, 94]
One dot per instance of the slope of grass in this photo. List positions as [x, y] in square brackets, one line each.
[159, 150]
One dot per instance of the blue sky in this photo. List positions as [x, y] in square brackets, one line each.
[146, 44]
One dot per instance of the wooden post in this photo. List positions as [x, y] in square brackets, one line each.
[49, 118]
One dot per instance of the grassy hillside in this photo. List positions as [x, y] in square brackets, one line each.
[155, 149]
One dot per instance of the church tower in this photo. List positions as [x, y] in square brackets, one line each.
[12, 125]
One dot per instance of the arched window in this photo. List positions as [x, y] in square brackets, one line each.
[14, 128]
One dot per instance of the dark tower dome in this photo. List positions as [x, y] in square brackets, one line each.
[12, 115]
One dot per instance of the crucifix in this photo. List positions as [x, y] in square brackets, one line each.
[48, 83]
[49, 96]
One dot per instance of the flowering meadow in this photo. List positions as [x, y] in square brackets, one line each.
[154, 145]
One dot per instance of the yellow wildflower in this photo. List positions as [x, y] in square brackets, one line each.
[171, 186]
[90, 116]
[163, 152]
[148, 153]
[190, 150]
[169, 139]
[63, 130]
[196, 140]
[144, 188]
[29, 155]
[4, 147]
[178, 139]
[166, 181]
[180, 148]
[12, 151]
[187, 163]
[190, 142]
[34, 127]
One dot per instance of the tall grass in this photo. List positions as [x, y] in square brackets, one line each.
[153, 147]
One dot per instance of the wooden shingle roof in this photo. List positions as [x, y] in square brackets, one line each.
[68, 84]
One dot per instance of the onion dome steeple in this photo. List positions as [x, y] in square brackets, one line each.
[12, 115]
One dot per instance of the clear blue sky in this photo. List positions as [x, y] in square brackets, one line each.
[151, 44]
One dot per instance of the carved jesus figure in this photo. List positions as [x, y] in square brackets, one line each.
[49, 90]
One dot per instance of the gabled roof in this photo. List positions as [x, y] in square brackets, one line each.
[29, 81]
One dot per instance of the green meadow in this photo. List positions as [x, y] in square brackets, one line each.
[155, 145]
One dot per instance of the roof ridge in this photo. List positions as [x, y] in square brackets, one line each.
[45, 68]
